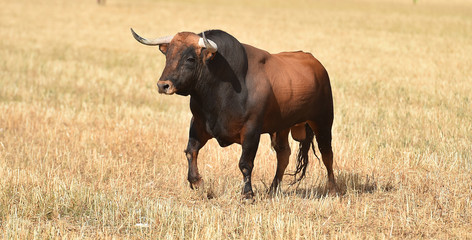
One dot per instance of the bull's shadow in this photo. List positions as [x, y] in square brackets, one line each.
[346, 183]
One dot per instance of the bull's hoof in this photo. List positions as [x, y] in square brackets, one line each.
[195, 185]
[274, 191]
[248, 198]
[332, 189]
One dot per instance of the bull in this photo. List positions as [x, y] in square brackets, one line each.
[238, 92]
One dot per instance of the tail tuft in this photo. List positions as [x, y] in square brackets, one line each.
[302, 156]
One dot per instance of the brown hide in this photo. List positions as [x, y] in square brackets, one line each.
[296, 88]
[291, 89]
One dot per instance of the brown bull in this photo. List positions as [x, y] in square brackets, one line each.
[239, 92]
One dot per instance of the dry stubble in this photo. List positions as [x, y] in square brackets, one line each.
[89, 149]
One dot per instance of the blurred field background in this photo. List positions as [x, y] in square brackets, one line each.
[89, 149]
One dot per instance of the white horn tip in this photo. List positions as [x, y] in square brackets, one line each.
[213, 47]
[201, 43]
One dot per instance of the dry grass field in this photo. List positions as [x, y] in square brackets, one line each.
[89, 149]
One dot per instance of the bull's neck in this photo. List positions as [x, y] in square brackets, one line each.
[215, 95]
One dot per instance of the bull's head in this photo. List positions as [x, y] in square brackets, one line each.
[186, 55]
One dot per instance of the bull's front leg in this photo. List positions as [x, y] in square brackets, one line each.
[250, 143]
[197, 139]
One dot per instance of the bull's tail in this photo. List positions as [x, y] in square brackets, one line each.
[302, 156]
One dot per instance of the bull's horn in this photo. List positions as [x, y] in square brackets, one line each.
[152, 42]
[207, 43]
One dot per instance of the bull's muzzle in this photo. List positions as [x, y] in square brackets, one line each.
[166, 87]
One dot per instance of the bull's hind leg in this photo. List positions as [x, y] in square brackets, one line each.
[323, 138]
[282, 148]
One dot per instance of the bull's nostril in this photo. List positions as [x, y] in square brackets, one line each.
[165, 87]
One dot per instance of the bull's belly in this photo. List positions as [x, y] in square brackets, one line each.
[274, 125]
[276, 121]
[228, 130]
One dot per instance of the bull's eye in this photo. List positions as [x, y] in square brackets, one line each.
[191, 59]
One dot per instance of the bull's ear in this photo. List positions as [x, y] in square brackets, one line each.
[163, 48]
[207, 55]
